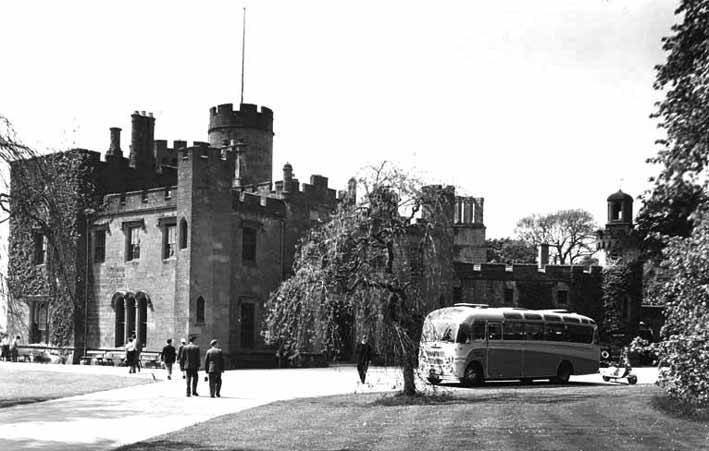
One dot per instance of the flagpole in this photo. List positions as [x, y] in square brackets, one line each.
[243, 48]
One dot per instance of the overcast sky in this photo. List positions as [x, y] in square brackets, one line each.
[533, 105]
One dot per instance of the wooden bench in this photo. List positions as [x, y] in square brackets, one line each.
[150, 359]
[92, 358]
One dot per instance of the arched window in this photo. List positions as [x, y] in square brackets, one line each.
[143, 323]
[183, 233]
[200, 309]
[120, 320]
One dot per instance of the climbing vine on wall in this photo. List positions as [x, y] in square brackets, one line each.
[622, 296]
[48, 195]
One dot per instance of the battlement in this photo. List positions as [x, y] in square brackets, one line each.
[489, 271]
[248, 116]
[315, 191]
[167, 156]
[259, 204]
[163, 197]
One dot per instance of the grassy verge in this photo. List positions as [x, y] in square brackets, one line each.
[23, 386]
[581, 418]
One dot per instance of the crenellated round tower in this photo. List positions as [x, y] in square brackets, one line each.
[252, 127]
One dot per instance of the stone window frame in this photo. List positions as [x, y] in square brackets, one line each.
[39, 247]
[249, 255]
[103, 229]
[183, 233]
[132, 254]
[165, 224]
[248, 340]
[200, 310]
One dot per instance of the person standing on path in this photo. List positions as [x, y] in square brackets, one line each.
[168, 357]
[190, 362]
[364, 355]
[130, 355]
[5, 346]
[179, 356]
[214, 366]
[14, 351]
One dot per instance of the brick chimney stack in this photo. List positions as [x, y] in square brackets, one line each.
[543, 258]
[142, 142]
[114, 150]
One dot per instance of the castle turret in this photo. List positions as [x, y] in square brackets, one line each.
[618, 239]
[251, 127]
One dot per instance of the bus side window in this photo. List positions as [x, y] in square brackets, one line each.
[478, 330]
[514, 330]
[464, 333]
[494, 331]
[534, 331]
[554, 332]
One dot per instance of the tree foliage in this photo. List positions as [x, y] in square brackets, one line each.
[674, 215]
[684, 349]
[510, 251]
[46, 196]
[570, 234]
[372, 267]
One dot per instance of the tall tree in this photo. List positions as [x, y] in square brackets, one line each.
[674, 219]
[44, 201]
[510, 251]
[570, 234]
[374, 265]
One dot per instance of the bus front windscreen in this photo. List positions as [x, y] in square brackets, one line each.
[439, 331]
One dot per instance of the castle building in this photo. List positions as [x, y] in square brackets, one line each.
[179, 241]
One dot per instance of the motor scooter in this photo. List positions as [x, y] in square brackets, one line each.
[615, 373]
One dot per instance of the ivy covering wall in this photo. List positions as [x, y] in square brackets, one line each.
[48, 196]
[622, 300]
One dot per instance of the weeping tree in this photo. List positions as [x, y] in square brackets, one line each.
[378, 266]
[44, 197]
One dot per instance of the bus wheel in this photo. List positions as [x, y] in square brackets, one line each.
[473, 375]
[563, 373]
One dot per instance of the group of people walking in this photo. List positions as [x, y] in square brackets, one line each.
[188, 357]
[9, 348]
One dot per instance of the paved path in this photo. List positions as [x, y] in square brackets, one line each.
[109, 419]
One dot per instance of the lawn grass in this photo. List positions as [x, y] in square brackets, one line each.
[563, 418]
[23, 386]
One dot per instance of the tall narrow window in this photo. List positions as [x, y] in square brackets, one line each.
[39, 242]
[133, 243]
[248, 244]
[562, 297]
[169, 241]
[99, 246]
[183, 234]
[38, 322]
[248, 325]
[509, 296]
[120, 321]
[200, 309]
[142, 326]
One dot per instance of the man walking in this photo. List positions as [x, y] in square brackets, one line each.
[189, 360]
[364, 355]
[14, 348]
[179, 356]
[168, 357]
[214, 366]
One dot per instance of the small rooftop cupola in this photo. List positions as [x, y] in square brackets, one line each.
[620, 209]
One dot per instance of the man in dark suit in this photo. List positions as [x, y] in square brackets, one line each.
[189, 360]
[214, 366]
[364, 355]
[168, 357]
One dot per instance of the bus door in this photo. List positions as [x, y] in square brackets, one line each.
[504, 357]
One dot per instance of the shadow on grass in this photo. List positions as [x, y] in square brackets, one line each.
[28, 400]
[677, 409]
[169, 445]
